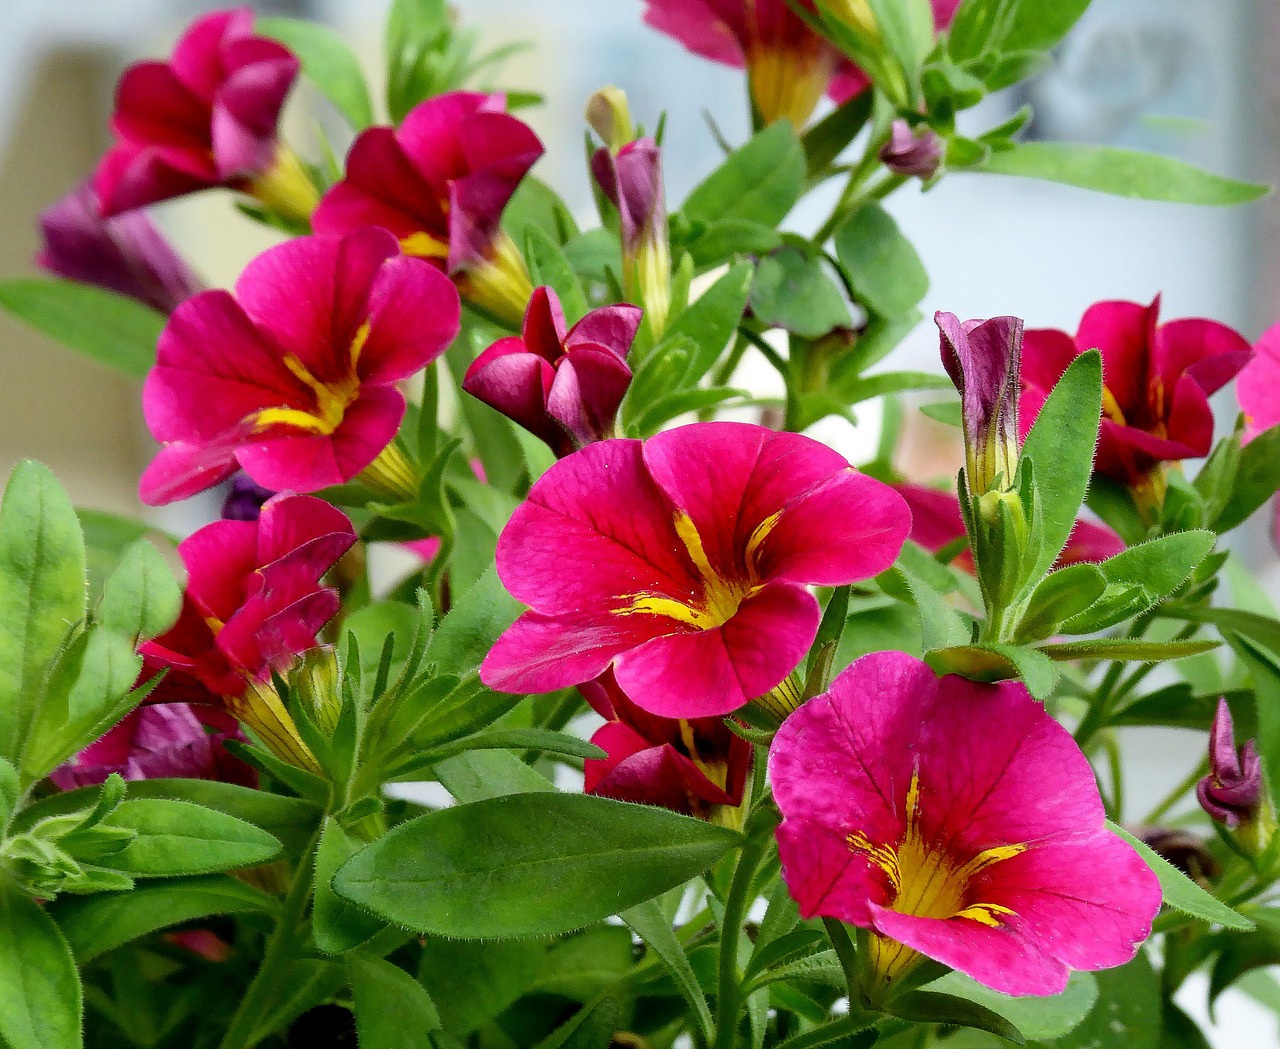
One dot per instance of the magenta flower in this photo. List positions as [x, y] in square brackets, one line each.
[912, 151]
[958, 821]
[1232, 791]
[440, 182]
[293, 377]
[688, 766]
[205, 118]
[562, 386]
[154, 742]
[126, 254]
[789, 66]
[981, 357]
[1157, 377]
[683, 561]
[936, 523]
[254, 601]
[1258, 386]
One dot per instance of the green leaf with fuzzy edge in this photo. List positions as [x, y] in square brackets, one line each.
[41, 1005]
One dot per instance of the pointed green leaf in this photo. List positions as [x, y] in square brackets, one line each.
[327, 62]
[1037, 1018]
[1125, 648]
[336, 925]
[40, 1007]
[177, 837]
[651, 925]
[140, 599]
[393, 1010]
[881, 264]
[760, 182]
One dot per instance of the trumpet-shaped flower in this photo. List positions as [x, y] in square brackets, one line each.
[687, 766]
[153, 742]
[205, 118]
[789, 65]
[562, 386]
[1258, 386]
[440, 182]
[1157, 382]
[293, 377]
[126, 254]
[683, 561]
[253, 602]
[957, 821]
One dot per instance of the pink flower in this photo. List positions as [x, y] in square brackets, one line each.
[788, 64]
[205, 118]
[293, 377]
[155, 742]
[1232, 791]
[956, 820]
[912, 151]
[688, 766]
[683, 561]
[1258, 386]
[562, 386]
[254, 601]
[440, 182]
[1157, 377]
[936, 523]
[126, 254]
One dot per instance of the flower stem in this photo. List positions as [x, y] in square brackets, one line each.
[729, 999]
[279, 953]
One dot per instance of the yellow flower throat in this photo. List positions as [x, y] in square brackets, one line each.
[332, 398]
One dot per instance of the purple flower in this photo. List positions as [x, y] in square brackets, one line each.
[126, 254]
[244, 499]
[1232, 791]
[983, 358]
[562, 386]
[912, 151]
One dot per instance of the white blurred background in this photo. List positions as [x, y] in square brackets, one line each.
[1195, 78]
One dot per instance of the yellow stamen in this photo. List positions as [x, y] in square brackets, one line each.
[927, 882]
[1111, 408]
[391, 475]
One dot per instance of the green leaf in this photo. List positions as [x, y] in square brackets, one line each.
[881, 264]
[1180, 892]
[393, 1010]
[473, 982]
[993, 662]
[481, 774]
[710, 320]
[106, 538]
[548, 742]
[1256, 480]
[336, 925]
[651, 925]
[1263, 663]
[94, 925]
[727, 239]
[1040, 24]
[466, 634]
[793, 290]
[41, 1005]
[1124, 648]
[934, 1007]
[760, 182]
[177, 837]
[9, 792]
[1127, 1012]
[1161, 565]
[1060, 445]
[140, 599]
[112, 329]
[664, 409]
[941, 625]
[42, 593]
[1120, 172]
[548, 265]
[1037, 1018]
[1058, 597]
[327, 62]
[528, 864]
[826, 140]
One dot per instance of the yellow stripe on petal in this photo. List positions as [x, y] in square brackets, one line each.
[424, 246]
[299, 420]
[988, 914]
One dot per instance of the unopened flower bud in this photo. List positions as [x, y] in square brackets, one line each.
[1184, 850]
[315, 679]
[1232, 792]
[912, 151]
[855, 13]
[610, 117]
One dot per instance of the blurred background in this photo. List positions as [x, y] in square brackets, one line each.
[1192, 78]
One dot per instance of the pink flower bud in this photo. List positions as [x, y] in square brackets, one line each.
[1232, 791]
[912, 151]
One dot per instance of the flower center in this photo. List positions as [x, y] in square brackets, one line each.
[721, 596]
[927, 881]
[332, 399]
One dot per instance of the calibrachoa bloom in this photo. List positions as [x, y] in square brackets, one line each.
[293, 377]
[956, 820]
[126, 254]
[160, 741]
[788, 64]
[689, 766]
[440, 182]
[562, 386]
[981, 357]
[1157, 377]
[1232, 791]
[253, 602]
[1258, 386]
[912, 151]
[205, 118]
[683, 561]
[936, 523]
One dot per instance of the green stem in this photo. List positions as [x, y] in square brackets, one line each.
[848, 955]
[279, 953]
[851, 197]
[729, 999]
[1178, 793]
